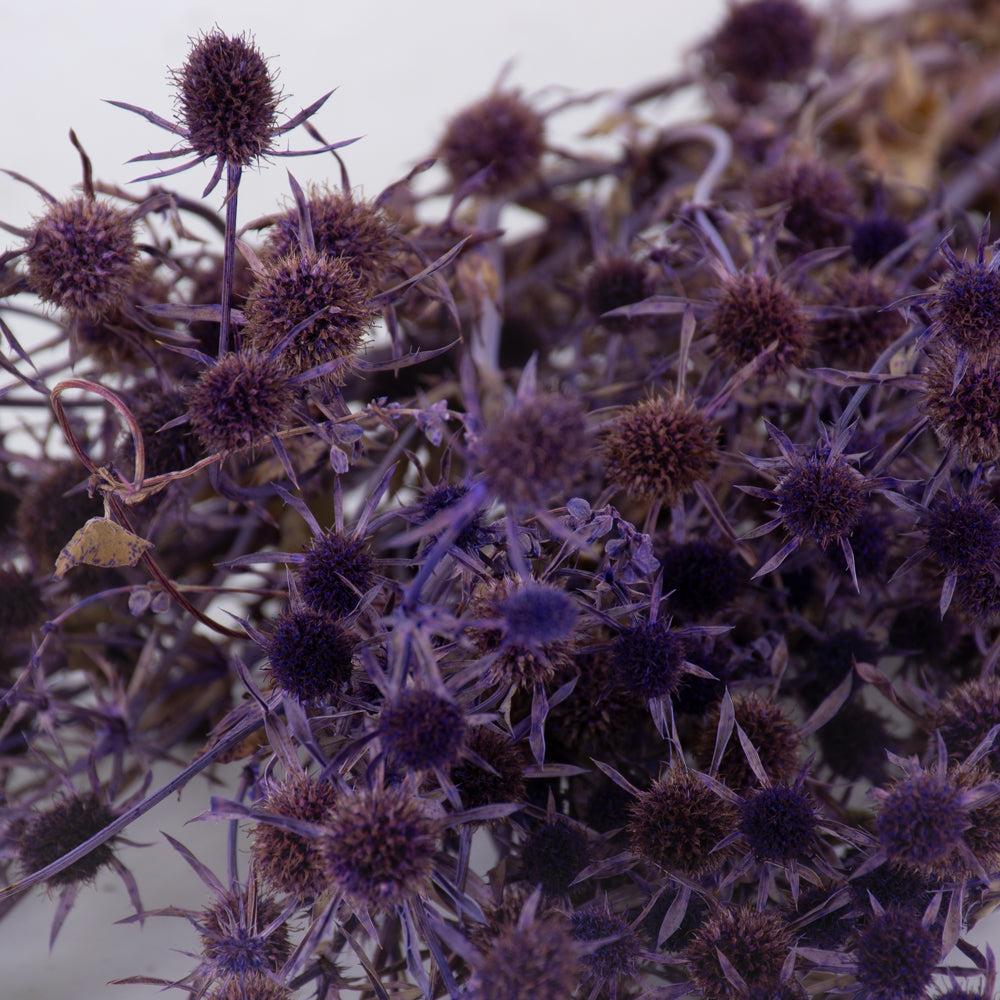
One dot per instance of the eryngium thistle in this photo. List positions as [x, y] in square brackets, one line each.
[779, 823]
[49, 833]
[896, 956]
[967, 415]
[536, 613]
[875, 236]
[252, 987]
[677, 822]
[152, 405]
[293, 288]
[774, 736]
[922, 821]
[227, 99]
[963, 533]
[83, 257]
[539, 960]
[479, 787]
[311, 655]
[659, 449]
[818, 199]
[821, 499]
[21, 605]
[379, 846]
[966, 715]
[240, 400]
[344, 227]
[619, 957]
[47, 518]
[765, 40]
[704, 577]
[553, 855]
[965, 305]
[534, 450]
[502, 132]
[233, 938]
[870, 545]
[648, 659]
[288, 862]
[752, 312]
[421, 730]
[336, 573]
[856, 339]
[755, 944]
[613, 283]
[444, 495]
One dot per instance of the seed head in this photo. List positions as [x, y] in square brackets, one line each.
[379, 846]
[83, 257]
[967, 415]
[422, 730]
[876, 236]
[870, 545]
[553, 855]
[474, 535]
[756, 945]
[233, 939]
[502, 132]
[293, 288]
[239, 400]
[677, 822]
[479, 787]
[290, 863]
[817, 196]
[21, 605]
[251, 987]
[856, 339]
[227, 99]
[336, 573]
[963, 532]
[534, 451]
[977, 596]
[922, 821]
[821, 499]
[779, 823]
[894, 886]
[535, 614]
[966, 715]
[613, 283]
[648, 659]
[619, 957]
[965, 305]
[659, 449]
[311, 655]
[50, 833]
[152, 405]
[704, 577]
[752, 312]
[47, 518]
[896, 956]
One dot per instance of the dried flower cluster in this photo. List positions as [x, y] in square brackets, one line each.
[605, 608]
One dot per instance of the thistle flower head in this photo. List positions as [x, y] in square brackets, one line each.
[965, 305]
[379, 846]
[966, 714]
[553, 855]
[963, 532]
[474, 534]
[240, 400]
[678, 821]
[83, 257]
[235, 938]
[252, 987]
[922, 820]
[311, 655]
[648, 659]
[335, 574]
[751, 313]
[755, 944]
[535, 614]
[47, 517]
[870, 543]
[818, 199]
[534, 450]
[288, 862]
[613, 283]
[293, 288]
[153, 405]
[502, 132]
[620, 956]
[480, 787]
[896, 956]
[779, 823]
[966, 415]
[659, 449]
[227, 99]
[856, 338]
[21, 607]
[875, 236]
[422, 730]
[704, 577]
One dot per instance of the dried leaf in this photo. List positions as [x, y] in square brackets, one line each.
[101, 542]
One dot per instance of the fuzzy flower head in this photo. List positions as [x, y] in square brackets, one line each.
[648, 659]
[379, 845]
[536, 614]
[553, 855]
[311, 655]
[335, 573]
[613, 283]
[252, 987]
[422, 730]
[962, 532]
[292, 289]
[83, 257]
[474, 535]
[503, 133]
[503, 782]
[47, 517]
[236, 938]
[619, 957]
[862, 327]
[876, 236]
[778, 822]
[239, 401]
[966, 715]
[965, 305]
[896, 956]
[659, 449]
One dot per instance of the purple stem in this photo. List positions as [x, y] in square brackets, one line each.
[233, 173]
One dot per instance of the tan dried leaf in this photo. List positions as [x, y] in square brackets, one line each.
[101, 542]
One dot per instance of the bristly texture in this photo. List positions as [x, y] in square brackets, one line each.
[502, 132]
[816, 196]
[870, 542]
[648, 659]
[49, 833]
[678, 821]
[539, 961]
[344, 227]
[966, 715]
[47, 518]
[252, 987]
[553, 855]
[704, 577]
[620, 956]
[896, 956]
[755, 312]
[227, 99]
[474, 534]
[965, 305]
[535, 614]
[288, 862]
[534, 450]
[855, 339]
[478, 786]
[755, 944]
[311, 655]
[779, 823]
[379, 846]
[153, 406]
[963, 533]
[421, 730]
[233, 937]
[967, 415]
[821, 499]
[239, 401]
[295, 287]
[336, 573]
[773, 735]
[875, 236]
[659, 449]
[613, 283]
[21, 604]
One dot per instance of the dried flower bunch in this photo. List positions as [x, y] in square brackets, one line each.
[610, 610]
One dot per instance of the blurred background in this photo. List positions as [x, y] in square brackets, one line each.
[401, 69]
